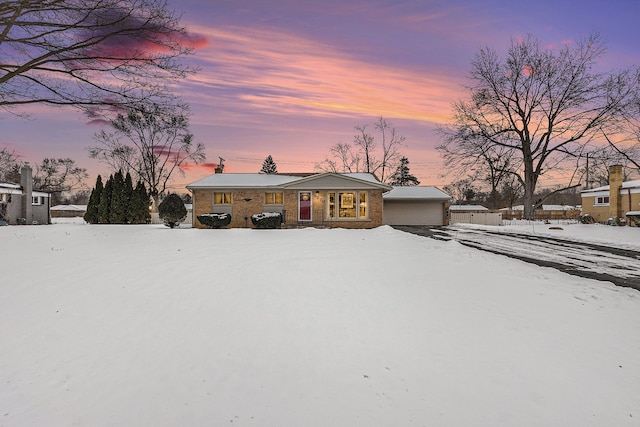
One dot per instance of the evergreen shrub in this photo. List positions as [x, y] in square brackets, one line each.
[172, 210]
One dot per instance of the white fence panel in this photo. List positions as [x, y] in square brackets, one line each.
[476, 218]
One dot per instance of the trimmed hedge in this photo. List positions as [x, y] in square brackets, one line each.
[267, 220]
[213, 220]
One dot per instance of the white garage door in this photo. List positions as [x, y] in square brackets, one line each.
[400, 212]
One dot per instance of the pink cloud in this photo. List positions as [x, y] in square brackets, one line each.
[283, 73]
[126, 36]
[204, 167]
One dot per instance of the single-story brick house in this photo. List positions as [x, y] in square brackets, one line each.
[347, 200]
[416, 205]
[21, 204]
[614, 200]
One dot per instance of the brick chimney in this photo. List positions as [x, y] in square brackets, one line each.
[615, 183]
[26, 181]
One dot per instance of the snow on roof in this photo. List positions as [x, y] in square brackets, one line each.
[243, 180]
[7, 188]
[7, 185]
[253, 180]
[73, 208]
[544, 208]
[416, 193]
[467, 208]
[626, 184]
[363, 176]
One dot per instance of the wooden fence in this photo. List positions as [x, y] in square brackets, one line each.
[476, 218]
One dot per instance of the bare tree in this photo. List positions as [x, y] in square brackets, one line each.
[88, 53]
[366, 155]
[153, 141]
[543, 108]
[462, 190]
[9, 166]
[59, 176]
[391, 143]
[486, 162]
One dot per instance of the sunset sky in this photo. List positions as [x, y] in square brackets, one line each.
[291, 78]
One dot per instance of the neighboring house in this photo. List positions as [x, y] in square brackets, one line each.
[614, 200]
[21, 204]
[68, 211]
[416, 205]
[347, 200]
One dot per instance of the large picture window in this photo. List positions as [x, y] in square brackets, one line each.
[348, 205]
[275, 198]
[222, 198]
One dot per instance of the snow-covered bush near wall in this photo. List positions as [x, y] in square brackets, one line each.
[267, 220]
[215, 220]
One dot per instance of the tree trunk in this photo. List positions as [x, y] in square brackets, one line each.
[529, 189]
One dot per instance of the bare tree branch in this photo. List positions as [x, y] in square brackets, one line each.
[89, 53]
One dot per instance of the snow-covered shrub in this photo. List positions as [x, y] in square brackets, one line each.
[172, 211]
[267, 220]
[633, 218]
[586, 219]
[214, 220]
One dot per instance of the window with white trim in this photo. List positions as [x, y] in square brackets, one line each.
[602, 200]
[222, 198]
[348, 204]
[37, 200]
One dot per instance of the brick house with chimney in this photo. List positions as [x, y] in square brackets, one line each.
[615, 200]
[347, 200]
[22, 204]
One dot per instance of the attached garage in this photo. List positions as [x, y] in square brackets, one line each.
[424, 205]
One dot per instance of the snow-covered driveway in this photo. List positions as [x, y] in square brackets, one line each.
[600, 262]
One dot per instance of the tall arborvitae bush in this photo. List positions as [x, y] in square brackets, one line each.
[139, 213]
[117, 213]
[105, 202]
[91, 215]
[128, 195]
[117, 202]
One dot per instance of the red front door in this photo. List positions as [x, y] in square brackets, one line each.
[304, 206]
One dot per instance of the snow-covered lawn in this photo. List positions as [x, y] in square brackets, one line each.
[147, 326]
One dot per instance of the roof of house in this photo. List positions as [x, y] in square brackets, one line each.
[626, 184]
[7, 188]
[416, 193]
[261, 180]
[72, 208]
[467, 208]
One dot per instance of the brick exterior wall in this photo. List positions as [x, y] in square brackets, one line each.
[320, 211]
[248, 202]
[202, 204]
